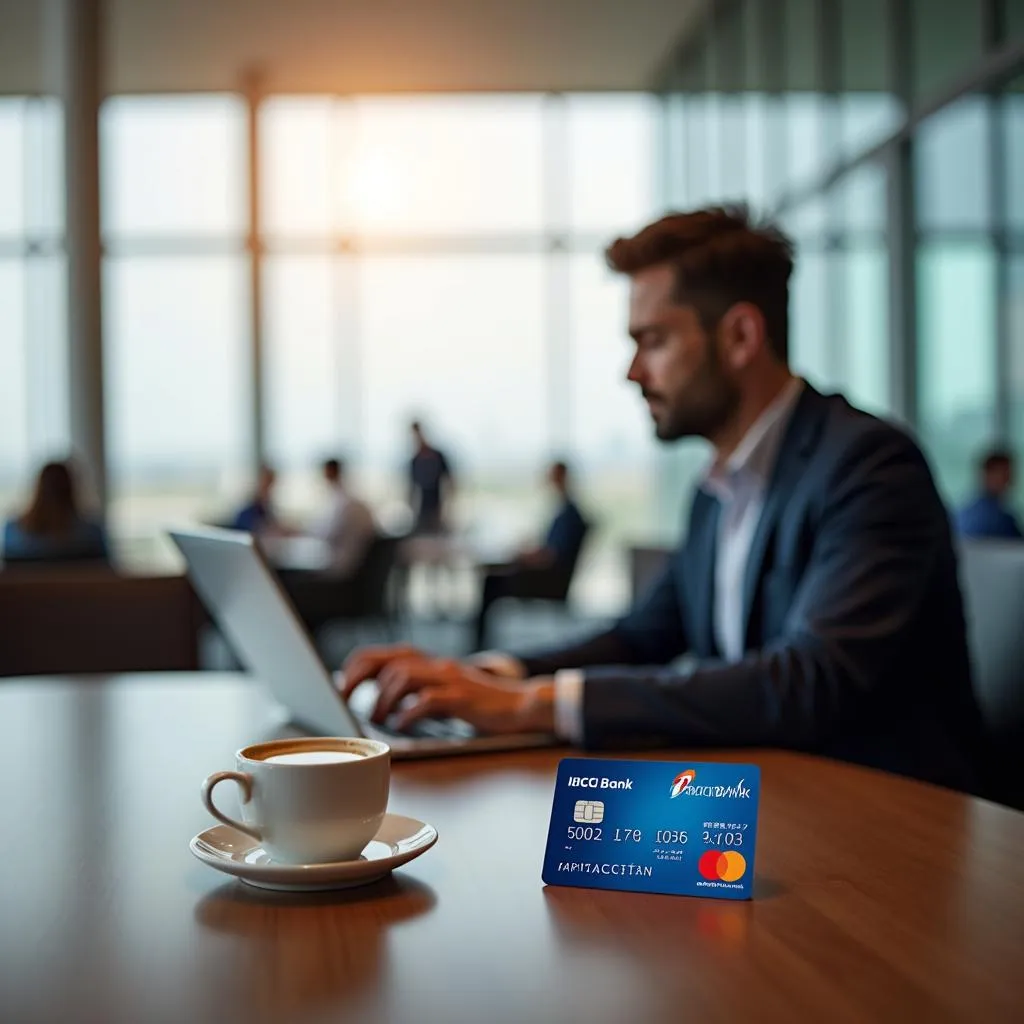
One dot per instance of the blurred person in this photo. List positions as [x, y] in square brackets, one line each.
[988, 516]
[431, 489]
[53, 528]
[534, 569]
[816, 590]
[431, 485]
[257, 516]
[347, 526]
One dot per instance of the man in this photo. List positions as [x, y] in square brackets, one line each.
[987, 516]
[816, 589]
[258, 516]
[430, 484]
[347, 526]
[539, 571]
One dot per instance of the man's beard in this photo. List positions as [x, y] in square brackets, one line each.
[703, 406]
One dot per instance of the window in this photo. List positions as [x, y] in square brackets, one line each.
[611, 144]
[811, 344]
[448, 165]
[863, 335]
[612, 437]
[479, 275]
[946, 38]
[1011, 108]
[176, 317]
[177, 391]
[951, 168]
[1015, 330]
[805, 103]
[306, 416]
[33, 329]
[956, 358]
[173, 166]
[868, 109]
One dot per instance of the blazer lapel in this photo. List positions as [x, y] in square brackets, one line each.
[793, 453]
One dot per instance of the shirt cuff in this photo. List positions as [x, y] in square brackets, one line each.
[569, 705]
[498, 664]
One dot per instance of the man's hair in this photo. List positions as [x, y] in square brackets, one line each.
[997, 458]
[333, 467]
[720, 257]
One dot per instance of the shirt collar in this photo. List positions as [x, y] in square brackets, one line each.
[755, 455]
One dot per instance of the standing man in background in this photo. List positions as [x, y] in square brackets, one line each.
[431, 485]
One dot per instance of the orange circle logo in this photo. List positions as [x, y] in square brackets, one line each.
[722, 865]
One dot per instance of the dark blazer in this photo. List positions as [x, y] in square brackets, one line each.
[566, 535]
[854, 621]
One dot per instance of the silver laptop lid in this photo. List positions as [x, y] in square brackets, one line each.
[254, 613]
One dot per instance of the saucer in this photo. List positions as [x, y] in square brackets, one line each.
[398, 841]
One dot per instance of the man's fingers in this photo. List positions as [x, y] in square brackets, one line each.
[357, 670]
[397, 681]
[436, 703]
[368, 662]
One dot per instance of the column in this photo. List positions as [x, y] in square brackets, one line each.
[76, 30]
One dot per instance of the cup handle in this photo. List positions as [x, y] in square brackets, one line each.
[244, 780]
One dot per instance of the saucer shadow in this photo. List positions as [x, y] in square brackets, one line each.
[282, 955]
[229, 907]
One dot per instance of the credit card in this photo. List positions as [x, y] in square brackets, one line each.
[686, 828]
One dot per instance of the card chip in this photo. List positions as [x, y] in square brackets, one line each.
[590, 811]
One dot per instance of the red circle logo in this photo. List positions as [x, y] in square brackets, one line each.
[722, 865]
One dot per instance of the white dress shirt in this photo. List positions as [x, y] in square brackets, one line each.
[740, 485]
[348, 528]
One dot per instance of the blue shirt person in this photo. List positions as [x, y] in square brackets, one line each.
[52, 529]
[987, 516]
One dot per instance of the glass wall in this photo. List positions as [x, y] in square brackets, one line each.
[33, 357]
[176, 312]
[882, 171]
[431, 257]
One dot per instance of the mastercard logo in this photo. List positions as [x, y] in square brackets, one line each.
[722, 866]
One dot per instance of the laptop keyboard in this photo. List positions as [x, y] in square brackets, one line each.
[361, 705]
[432, 729]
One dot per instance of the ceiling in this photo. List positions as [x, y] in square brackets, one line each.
[361, 45]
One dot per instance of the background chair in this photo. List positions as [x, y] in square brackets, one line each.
[88, 620]
[548, 588]
[353, 607]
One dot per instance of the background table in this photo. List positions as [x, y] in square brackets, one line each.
[877, 898]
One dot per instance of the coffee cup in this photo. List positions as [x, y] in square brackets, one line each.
[314, 800]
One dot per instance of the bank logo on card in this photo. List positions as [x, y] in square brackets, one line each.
[682, 780]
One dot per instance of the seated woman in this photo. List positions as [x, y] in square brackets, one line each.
[52, 529]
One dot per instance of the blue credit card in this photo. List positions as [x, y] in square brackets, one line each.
[685, 828]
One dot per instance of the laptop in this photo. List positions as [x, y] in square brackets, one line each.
[245, 598]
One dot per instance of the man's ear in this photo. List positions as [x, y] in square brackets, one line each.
[743, 334]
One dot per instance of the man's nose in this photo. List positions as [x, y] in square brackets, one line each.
[634, 373]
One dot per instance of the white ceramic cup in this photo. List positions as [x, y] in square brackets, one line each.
[314, 800]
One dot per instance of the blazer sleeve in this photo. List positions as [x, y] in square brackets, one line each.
[881, 528]
[651, 634]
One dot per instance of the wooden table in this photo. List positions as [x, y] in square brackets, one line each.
[876, 898]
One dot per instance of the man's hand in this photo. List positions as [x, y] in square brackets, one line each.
[443, 688]
[368, 662]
